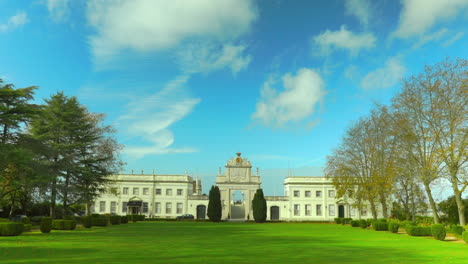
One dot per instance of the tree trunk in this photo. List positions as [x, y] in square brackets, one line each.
[53, 197]
[383, 201]
[65, 193]
[373, 210]
[413, 204]
[431, 202]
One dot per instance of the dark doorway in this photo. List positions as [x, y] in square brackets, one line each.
[341, 211]
[274, 213]
[201, 211]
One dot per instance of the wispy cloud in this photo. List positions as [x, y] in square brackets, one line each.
[424, 39]
[295, 102]
[342, 39]
[419, 16]
[149, 119]
[385, 77]
[59, 10]
[453, 39]
[360, 9]
[14, 22]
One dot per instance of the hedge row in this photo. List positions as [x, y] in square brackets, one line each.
[11, 228]
[341, 220]
[465, 236]
[380, 226]
[393, 227]
[418, 230]
[63, 224]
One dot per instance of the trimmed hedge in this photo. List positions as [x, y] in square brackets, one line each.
[418, 230]
[124, 220]
[465, 236]
[354, 223]
[382, 219]
[438, 231]
[346, 221]
[87, 221]
[363, 224]
[63, 224]
[380, 226]
[456, 229]
[99, 221]
[11, 228]
[393, 227]
[338, 220]
[26, 220]
[36, 220]
[4, 220]
[46, 224]
[27, 227]
[115, 220]
[136, 218]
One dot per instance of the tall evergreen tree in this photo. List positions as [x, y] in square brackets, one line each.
[259, 207]
[214, 204]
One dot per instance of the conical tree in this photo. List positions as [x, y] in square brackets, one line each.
[214, 204]
[259, 207]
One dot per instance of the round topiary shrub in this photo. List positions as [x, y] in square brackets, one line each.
[418, 230]
[380, 226]
[87, 221]
[46, 224]
[354, 223]
[393, 227]
[338, 220]
[27, 227]
[465, 236]
[11, 228]
[363, 224]
[438, 231]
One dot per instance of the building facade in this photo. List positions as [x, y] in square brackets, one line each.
[168, 196]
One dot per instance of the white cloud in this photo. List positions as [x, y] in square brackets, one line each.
[206, 57]
[152, 25]
[453, 39]
[301, 93]
[418, 16]
[343, 39]
[149, 118]
[384, 77]
[360, 9]
[59, 10]
[423, 40]
[14, 22]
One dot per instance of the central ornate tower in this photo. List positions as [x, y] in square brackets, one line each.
[238, 178]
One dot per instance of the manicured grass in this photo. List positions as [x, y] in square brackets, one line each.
[203, 242]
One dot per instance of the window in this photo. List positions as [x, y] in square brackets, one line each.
[319, 209]
[331, 210]
[308, 209]
[307, 194]
[102, 206]
[318, 194]
[158, 191]
[112, 209]
[125, 190]
[168, 208]
[331, 193]
[169, 192]
[124, 207]
[352, 211]
[179, 192]
[135, 191]
[145, 191]
[364, 212]
[179, 208]
[297, 209]
[296, 193]
[158, 208]
[145, 207]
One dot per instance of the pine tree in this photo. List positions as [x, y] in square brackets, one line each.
[259, 207]
[214, 204]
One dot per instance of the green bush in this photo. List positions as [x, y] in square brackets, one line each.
[363, 224]
[36, 220]
[4, 220]
[418, 230]
[393, 227]
[425, 220]
[26, 220]
[405, 224]
[354, 223]
[456, 229]
[380, 226]
[346, 221]
[382, 219]
[124, 220]
[465, 236]
[11, 228]
[87, 221]
[27, 227]
[46, 224]
[438, 231]
[338, 220]
[115, 220]
[63, 224]
[99, 221]
[136, 218]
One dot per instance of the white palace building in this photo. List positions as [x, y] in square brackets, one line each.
[168, 196]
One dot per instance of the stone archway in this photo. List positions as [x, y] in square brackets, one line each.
[274, 213]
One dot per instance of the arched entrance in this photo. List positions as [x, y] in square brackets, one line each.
[341, 213]
[134, 205]
[274, 213]
[201, 211]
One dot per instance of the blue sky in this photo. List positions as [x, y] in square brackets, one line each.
[187, 84]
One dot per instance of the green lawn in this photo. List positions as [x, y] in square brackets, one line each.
[203, 242]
